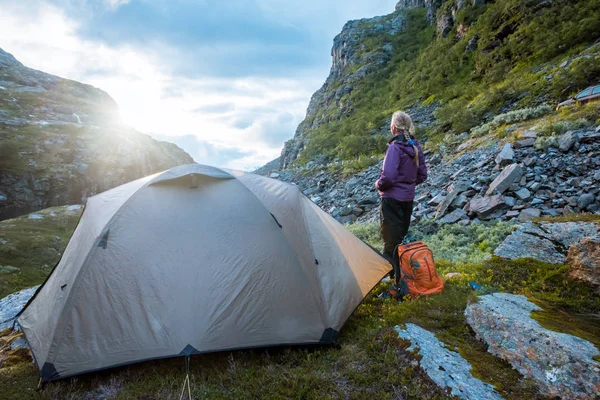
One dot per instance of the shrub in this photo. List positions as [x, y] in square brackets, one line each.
[511, 117]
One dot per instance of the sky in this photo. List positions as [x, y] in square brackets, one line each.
[228, 81]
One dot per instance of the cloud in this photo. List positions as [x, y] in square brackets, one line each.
[228, 81]
[114, 4]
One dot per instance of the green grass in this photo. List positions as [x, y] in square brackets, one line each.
[33, 246]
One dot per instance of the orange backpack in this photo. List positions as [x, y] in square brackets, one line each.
[415, 272]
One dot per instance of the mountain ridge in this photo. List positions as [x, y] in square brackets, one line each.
[62, 141]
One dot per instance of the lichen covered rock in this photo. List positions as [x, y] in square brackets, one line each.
[561, 365]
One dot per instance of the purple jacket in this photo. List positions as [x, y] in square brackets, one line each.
[399, 174]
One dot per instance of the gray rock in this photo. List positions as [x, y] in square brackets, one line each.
[585, 200]
[445, 367]
[563, 365]
[566, 141]
[536, 202]
[454, 191]
[506, 179]
[20, 343]
[506, 155]
[352, 183]
[12, 304]
[453, 217]
[569, 233]
[529, 213]
[523, 194]
[484, 206]
[523, 245]
[524, 143]
[274, 175]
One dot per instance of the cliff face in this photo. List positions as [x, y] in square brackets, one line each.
[62, 141]
[352, 60]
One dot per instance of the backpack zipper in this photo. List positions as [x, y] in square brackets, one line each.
[428, 268]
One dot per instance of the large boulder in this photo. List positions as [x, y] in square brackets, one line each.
[506, 179]
[561, 365]
[584, 260]
[445, 367]
[546, 242]
[521, 244]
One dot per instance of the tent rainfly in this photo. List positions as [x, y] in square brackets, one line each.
[192, 260]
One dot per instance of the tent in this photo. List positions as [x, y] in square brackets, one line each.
[192, 260]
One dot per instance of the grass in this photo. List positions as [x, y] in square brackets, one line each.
[369, 360]
[33, 246]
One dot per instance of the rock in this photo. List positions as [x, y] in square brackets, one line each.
[507, 177]
[585, 200]
[454, 191]
[20, 343]
[569, 233]
[523, 194]
[506, 155]
[584, 260]
[524, 143]
[484, 206]
[453, 217]
[512, 214]
[473, 43]
[436, 200]
[536, 202]
[452, 275]
[445, 367]
[12, 304]
[523, 245]
[274, 175]
[352, 183]
[566, 141]
[561, 365]
[528, 214]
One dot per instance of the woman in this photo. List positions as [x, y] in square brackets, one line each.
[403, 169]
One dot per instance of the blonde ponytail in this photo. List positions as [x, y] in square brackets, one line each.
[404, 124]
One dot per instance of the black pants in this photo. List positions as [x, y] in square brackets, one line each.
[395, 221]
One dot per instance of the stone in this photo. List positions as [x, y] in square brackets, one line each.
[484, 206]
[566, 141]
[12, 304]
[274, 175]
[505, 180]
[453, 217]
[584, 260]
[445, 367]
[454, 191]
[352, 183]
[528, 214]
[452, 275]
[523, 245]
[561, 365]
[585, 200]
[524, 143]
[536, 202]
[460, 201]
[512, 214]
[523, 194]
[569, 233]
[506, 155]
[436, 200]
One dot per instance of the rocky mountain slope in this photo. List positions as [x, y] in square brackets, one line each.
[496, 148]
[62, 141]
[454, 65]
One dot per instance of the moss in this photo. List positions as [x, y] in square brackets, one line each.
[569, 218]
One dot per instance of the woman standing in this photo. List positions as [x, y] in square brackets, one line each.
[403, 168]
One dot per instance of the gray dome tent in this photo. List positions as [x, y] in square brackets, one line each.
[192, 260]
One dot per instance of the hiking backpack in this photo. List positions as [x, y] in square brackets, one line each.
[414, 270]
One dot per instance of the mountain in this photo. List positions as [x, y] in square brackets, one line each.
[62, 141]
[453, 64]
[481, 81]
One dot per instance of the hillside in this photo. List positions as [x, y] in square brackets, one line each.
[453, 65]
[62, 141]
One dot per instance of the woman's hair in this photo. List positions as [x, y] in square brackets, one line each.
[404, 124]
